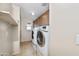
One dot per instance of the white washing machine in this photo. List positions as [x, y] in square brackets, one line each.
[34, 37]
[40, 40]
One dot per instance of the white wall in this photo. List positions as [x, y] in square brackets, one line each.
[64, 26]
[15, 40]
[25, 35]
[5, 7]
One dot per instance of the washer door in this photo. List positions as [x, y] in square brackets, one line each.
[32, 35]
[40, 39]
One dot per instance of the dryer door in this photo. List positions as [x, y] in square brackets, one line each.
[32, 34]
[40, 39]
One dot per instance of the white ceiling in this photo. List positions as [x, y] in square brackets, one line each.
[27, 9]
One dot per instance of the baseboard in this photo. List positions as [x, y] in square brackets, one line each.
[26, 41]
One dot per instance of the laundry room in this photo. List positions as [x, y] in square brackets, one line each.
[24, 29]
[34, 29]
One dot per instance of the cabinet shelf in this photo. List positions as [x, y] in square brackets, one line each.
[6, 16]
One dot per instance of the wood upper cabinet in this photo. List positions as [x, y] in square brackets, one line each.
[43, 19]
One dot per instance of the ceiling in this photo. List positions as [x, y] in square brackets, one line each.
[32, 11]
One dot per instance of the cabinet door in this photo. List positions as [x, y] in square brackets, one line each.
[45, 20]
[42, 20]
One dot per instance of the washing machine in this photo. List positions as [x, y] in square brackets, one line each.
[34, 37]
[42, 40]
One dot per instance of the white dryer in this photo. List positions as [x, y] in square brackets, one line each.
[42, 40]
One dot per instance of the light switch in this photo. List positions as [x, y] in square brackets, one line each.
[77, 39]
